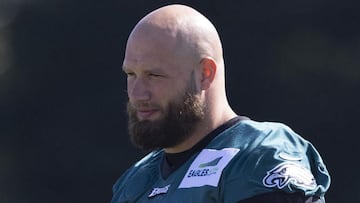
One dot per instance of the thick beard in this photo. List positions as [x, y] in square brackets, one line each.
[177, 125]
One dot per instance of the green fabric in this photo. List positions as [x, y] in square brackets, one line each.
[271, 157]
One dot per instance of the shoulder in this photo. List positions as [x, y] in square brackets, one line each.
[249, 134]
[148, 162]
[272, 157]
[139, 174]
[275, 136]
[269, 129]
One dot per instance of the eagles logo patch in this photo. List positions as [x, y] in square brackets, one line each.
[289, 173]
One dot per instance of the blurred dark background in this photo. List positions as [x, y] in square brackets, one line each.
[63, 134]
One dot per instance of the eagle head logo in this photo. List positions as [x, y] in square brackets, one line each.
[289, 173]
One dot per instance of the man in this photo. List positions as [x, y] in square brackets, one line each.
[201, 150]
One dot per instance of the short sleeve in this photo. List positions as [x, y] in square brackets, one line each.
[280, 161]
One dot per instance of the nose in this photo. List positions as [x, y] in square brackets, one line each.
[138, 90]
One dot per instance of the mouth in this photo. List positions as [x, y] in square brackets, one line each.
[146, 114]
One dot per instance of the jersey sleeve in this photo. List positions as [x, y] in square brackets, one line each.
[282, 197]
[277, 161]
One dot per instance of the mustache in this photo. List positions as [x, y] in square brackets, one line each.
[142, 105]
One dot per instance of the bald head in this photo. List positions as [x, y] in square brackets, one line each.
[174, 61]
[180, 30]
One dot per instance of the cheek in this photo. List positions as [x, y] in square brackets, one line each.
[164, 96]
[170, 91]
[130, 84]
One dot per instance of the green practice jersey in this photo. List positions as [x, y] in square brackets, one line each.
[247, 159]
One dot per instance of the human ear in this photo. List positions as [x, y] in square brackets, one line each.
[208, 69]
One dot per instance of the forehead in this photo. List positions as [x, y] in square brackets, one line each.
[152, 56]
[152, 47]
[150, 62]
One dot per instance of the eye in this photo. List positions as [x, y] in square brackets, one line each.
[154, 75]
[130, 74]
